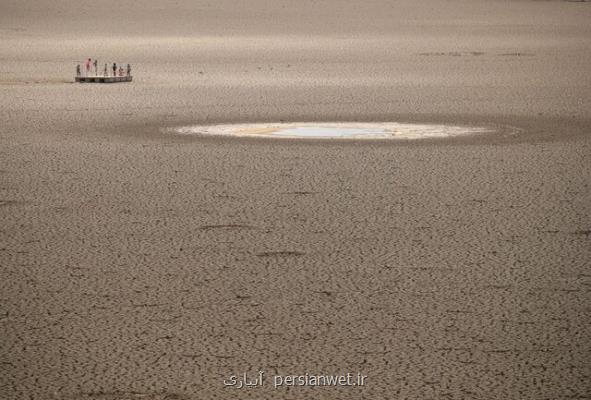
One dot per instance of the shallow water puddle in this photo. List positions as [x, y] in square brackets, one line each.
[353, 130]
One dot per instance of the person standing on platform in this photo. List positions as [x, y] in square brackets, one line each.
[114, 69]
[95, 67]
[105, 72]
[128, 70]
[78, 70]
[88, 62]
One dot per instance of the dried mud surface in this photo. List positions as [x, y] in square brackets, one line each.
[136, 264]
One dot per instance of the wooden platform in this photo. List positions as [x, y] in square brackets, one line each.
[103, 79]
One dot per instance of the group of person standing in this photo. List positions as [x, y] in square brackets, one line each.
[91, 65]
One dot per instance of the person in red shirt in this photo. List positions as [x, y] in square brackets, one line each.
[88, 63]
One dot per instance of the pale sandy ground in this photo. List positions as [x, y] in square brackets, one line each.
[139, 265]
